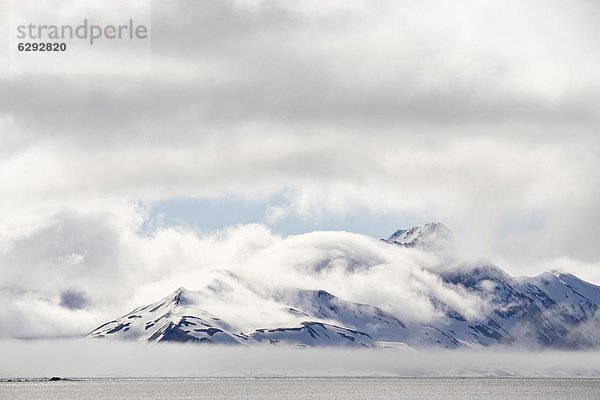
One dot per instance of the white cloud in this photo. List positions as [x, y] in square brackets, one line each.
[274, 214]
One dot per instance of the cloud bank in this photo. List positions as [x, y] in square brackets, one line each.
[78, 359]
[481, 116]
[76, 270]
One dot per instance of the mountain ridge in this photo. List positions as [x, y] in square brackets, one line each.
[552, 310]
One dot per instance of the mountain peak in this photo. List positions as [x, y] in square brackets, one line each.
[432, 234]
[182, 296]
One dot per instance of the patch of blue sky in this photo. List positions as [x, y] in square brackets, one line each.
[522, 223]
[206, 215]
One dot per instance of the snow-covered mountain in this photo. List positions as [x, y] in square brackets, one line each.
[429, 236]
[176, 319]
[552, 310]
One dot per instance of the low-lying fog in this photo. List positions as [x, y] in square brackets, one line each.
[81, 358]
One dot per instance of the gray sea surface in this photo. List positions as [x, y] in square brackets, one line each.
[302, 388]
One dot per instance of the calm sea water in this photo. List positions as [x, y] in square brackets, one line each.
[304, 388]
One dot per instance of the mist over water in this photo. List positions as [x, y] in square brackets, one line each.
[83, 358]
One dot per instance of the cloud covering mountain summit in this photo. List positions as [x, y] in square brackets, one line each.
[553, 310]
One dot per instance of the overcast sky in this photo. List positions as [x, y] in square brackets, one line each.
[354, 115]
